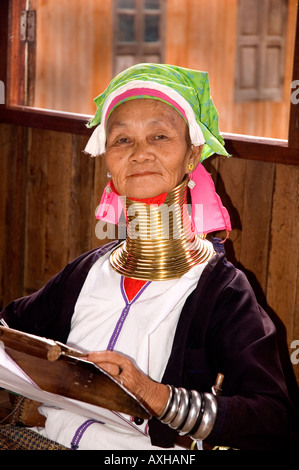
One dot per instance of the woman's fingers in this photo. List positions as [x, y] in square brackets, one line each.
[113, 363]
[112, 369]
[105, 356]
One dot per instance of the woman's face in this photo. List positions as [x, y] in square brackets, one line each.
[147, 152]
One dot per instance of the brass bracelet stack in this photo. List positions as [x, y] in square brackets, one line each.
[190, 412]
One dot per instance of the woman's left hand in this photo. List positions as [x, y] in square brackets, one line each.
[153, 394]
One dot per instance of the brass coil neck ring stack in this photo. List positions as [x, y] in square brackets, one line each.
[161, 243]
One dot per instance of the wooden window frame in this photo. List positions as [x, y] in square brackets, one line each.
[239, 146]
[138, 48]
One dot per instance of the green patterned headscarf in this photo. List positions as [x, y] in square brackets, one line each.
[186, 90]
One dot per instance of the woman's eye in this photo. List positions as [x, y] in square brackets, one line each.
[123, 140]
[160, 137]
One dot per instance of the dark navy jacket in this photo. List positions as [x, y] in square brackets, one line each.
[221, 329]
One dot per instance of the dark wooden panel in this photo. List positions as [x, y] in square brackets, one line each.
[284, 246]
[15, 151]
[36, 211]
[81, 199]
[256, 219]
[4, 191]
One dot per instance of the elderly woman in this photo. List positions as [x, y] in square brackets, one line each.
[163, 311]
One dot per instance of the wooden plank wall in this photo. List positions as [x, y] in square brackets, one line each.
[50, 189]
[71, 74]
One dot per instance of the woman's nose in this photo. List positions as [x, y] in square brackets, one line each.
[142, 152]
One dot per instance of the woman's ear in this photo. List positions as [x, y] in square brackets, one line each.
[195, 155]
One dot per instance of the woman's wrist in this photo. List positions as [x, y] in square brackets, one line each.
[156, 397]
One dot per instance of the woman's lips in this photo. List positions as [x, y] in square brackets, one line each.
[143, 173]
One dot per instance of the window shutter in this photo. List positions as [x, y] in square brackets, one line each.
[260, 50]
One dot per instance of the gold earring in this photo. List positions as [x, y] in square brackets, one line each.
[191, 183]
